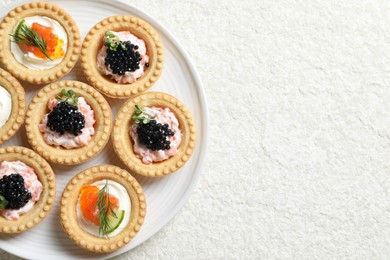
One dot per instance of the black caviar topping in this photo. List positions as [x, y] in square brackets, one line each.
[13, 192]
[124, 58]
[65, 117]
[154, 135]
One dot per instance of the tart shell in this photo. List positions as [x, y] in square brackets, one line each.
[38, 108]
[39, 76]
[68, 215]
[18, 110]
[123, 144]
[94, 41]
[45, 175]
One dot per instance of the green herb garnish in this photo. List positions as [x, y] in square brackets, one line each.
[68, 96]
[24, 35]
[112, 41]
[106, 209]
[139, 118]
[3, 202]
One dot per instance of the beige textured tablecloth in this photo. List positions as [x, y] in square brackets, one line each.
[298, 158]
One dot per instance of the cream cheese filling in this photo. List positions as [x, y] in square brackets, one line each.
[163, 116]
[128, 77]
[31, 182]
[124, 204]
[29, 59]
[5, 106]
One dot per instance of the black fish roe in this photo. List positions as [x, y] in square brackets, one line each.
[13, 190]
[122, 60]
[65, 117]
[154, 135]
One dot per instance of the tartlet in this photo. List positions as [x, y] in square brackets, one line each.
[68, 213]
[7, 29]
[124, 145]
[94, 41]
[60, 155]
[18, 97]
[45, 175]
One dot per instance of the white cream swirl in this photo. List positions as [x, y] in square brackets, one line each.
[124, 204]
[28, 59]
[5, 106]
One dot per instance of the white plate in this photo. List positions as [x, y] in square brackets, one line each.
[165, 196]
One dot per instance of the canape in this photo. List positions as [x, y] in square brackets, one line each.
[27, 189]
[12, 106]
[154, 134]
[102, 208]
[39, 42]
[122, 56]
[68, 122]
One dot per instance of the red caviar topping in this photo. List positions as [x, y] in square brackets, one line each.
[53, 44]
[88, 202]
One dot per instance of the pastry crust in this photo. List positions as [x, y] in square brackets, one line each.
[45, 175]
[38, 108]
[39, 76]
[94, 41]
[69, 199]
[18, 111]
[123, 143]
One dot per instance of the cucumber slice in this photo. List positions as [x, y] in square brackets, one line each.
[115, 221]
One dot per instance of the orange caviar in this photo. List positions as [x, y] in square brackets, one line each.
[88, 201]
[53, 44]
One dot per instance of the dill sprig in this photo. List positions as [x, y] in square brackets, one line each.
[113, 42]
[106, 209]
[68, 96]
[24, 35]
[3, 202]
[139, 118]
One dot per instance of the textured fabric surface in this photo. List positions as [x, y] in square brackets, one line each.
[297, 163]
